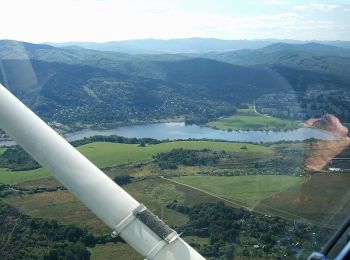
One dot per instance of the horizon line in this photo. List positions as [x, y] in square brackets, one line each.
[172, 39]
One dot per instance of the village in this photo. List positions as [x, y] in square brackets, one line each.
[301, 106]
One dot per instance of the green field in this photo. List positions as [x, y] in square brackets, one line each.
[323, 199]
[2, 150]
[285, 196]
[250, 121]
[59, 205]
[248, 190]
[11, 177]
[111, 154]
[64, 207]
[114, 251]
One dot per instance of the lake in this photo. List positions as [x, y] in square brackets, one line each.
[172, 131]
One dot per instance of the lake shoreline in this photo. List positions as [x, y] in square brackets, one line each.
[181, 131]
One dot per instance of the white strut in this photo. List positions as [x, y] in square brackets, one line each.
[145, 233]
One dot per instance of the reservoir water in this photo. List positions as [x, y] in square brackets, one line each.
[172, 131]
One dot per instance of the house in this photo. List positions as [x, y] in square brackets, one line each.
[334, 169]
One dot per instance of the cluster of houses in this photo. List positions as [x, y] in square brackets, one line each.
[282, 105]
[334, 165]
[301, 106]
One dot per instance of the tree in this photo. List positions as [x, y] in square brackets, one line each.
[89, 240]
[122, 179]
[74, 233]
[77, 252]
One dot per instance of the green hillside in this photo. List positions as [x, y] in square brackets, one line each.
[302, 65]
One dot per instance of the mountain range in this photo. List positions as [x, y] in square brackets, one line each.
[189, 45]
[74, 84]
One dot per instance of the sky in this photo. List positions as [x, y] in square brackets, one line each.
[111, 20]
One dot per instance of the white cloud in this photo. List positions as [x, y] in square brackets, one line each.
[317, 7]
[108, 20]
[275, 2]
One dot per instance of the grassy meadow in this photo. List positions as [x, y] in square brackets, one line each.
[104, 154]
[247, 190]
[293, 198]
[2, 150]
[12, 177]
[120, 251]
[247, 119]
[289, 197]
[264, 193]
[110, 154]
[323, 199]
[64, 207]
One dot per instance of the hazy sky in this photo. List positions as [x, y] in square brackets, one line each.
[108, 20]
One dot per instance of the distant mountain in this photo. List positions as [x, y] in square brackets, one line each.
[343, 44]
[10, 49]
[79, 85]
[176, 46]
[189, 45]
[277, 52]
[138, 65]
[323, 61]
[312, 48]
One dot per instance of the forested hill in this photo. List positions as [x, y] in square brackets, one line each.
[278, 52]
[308, 64]
[71, 85]
[78, 85]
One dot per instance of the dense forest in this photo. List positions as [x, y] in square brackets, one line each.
[259, 235]
[15, 158]
[226, 228]
[185, 157]
[223, 163]
[24, 237]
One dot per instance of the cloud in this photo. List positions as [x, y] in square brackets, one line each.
[289, 25]
[317, 7]
[108, 20]
[276, 2]
[250, 27]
